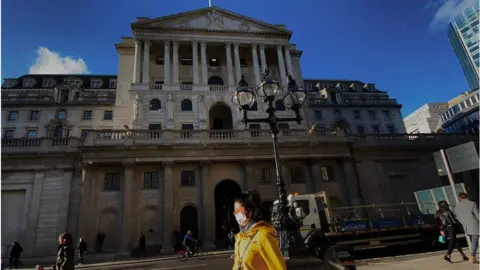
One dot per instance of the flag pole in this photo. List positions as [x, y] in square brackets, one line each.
[209, 3]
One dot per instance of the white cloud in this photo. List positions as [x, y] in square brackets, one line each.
[446, 10]
[49, 62]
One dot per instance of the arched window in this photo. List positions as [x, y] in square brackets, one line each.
[186, 105]
[61, 115]
[155, 105]
[254, 107]
[279, 105]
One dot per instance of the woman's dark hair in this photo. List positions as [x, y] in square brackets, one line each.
[251, 201]
[443, 206]
[67, 237]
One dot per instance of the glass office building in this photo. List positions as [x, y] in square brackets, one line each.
[462, 117]
[463, 35]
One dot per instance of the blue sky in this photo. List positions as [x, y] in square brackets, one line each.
[401, 45]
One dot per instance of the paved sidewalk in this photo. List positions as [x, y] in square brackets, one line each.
[424, 261]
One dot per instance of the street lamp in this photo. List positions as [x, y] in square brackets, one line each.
[285, 216]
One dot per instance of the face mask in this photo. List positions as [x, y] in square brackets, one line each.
[240, 217]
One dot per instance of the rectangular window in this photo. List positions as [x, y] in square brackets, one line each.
[376, 129]
[356, 114]
[360, 130]
[296, 175]
[87, 115]
[111, 182]
[108, 115]
[95, 83]
[243, 63]
[34, 115]
[159, 60]
[150, 180]
[186, 61]
[327, 174]
[188, 178]
[318, 115]
[265, 177]
[113, 84]
[391, 129]
[12, 116]
[214, 62]
[84, 133]
[32, 133]
[372, 115]
[9, 134]
[253, 132]
[386, 115]
[188, 131]
[155, 127]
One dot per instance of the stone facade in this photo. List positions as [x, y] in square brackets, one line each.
[170, 151]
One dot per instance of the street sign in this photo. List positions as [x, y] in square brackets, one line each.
[463, 157]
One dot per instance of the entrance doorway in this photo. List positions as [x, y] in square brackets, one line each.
[189, 220]
[220, 117]
[225, 193]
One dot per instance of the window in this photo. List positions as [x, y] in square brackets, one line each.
[214, 62]
[58, 131]
[333, 97]
[284, 128]
[188, 178]
[386, 115]
[12, 116]
[356, 114]
[265, 177]
[32, 133]
[360, 130]
[186, 105]
[159, 82]
[254, 133]
[338, 114]
[296, 175]
[254, 107]
[155, 127]
[327, 174]
[87, 115]
[29, 82]
[9, 134]
[309, 87]
[376, 129]
[159, 60]
[48, 83]
[187, 128]
[96, 83]
[34, 115]
[279, 105]
[318, 115]
[243, 63]
[113, 84]
[111, 182]
[155, 104]
[61, 115]
[372, 115]
[84, 133]
[108, 115]
[74, 82]
[150, 180]
[186, 61]
[391, 129]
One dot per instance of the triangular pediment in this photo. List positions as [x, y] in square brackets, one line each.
[213, 19]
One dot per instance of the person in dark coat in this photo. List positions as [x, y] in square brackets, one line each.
[142, 245]
[82, 247]
[450, 226]
[66, 253]
[15, 252]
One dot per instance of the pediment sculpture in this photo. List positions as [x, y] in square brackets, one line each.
[215, 20]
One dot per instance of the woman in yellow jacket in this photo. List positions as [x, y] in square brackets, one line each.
[256, 245]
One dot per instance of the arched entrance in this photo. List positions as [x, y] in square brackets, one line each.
[225, 193]
[215, 80]
[220, 117]
[189, 220]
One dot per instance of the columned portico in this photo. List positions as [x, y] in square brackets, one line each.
[228, 51]
[166, 62]
[138, 61]
[256, 68]
[281, 66]
[195, 62]
[263, 59]
[238, 71]
[288, 59]
[146, 62]
[203, 46]
[175, 62]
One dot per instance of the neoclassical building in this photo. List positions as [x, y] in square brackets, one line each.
[161, 147]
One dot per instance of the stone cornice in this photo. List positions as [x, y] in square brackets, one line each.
[210, 31]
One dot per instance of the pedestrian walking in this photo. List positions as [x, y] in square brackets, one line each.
[256, 245]
[142, 245]
[450, 226]
[231, 238]
[81, 249]
[15, 253]
[66, 253]
[467, 213]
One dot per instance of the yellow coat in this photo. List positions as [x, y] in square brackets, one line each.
[263, 253]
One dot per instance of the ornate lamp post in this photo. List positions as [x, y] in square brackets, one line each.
[284, 215]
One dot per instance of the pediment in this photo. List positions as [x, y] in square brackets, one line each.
[213, 19]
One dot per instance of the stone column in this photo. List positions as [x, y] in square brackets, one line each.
[203, 46]
[195, 62]
[175, 62]
[228, 49]
[208, 204]
[137, 64]
[169, 205]
[63, 211]
[86, 216]
[146, 62]
[263, 59]
[256, 68]
[288, 59]
[351, 181]
[281, 66]
[238, 71]
[128, 238]
[161, 209]
[201, 207]
[32, 219]
[166, 62]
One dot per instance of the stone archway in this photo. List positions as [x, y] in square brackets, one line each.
[215, 80]
[110, 224]
[220, 117]
[225, 193]
[189, 220]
